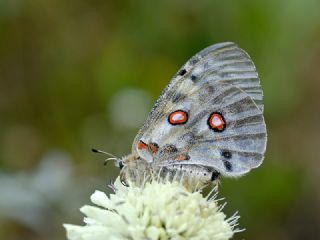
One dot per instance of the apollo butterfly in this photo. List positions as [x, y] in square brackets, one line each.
[207, 122]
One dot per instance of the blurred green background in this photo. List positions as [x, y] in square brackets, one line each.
[82, 74]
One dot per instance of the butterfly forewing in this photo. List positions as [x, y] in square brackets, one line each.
[210, 114]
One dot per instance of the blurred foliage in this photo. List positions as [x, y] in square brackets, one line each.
[66, 65]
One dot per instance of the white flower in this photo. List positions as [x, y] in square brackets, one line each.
[157, 210]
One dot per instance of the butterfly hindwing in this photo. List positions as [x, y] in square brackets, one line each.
[210, 114]
[226, 133]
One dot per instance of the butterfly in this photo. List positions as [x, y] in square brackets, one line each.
[207, 122]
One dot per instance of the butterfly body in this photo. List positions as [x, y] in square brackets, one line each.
[207, 122]
[192, 176]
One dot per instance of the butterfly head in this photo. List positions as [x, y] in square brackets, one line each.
[124, 161]
[119, 163]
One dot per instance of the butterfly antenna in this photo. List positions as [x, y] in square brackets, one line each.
[109, 159]
[112, 158]
[103, 152]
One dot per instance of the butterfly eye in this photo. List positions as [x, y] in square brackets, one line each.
[216, 122]
[121, 165]
[178, 117]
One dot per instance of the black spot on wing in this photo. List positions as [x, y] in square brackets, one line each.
[194, 78]
[182, 72]
[227, 165]
[226, 154]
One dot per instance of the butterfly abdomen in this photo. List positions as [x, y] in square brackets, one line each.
[191, 176]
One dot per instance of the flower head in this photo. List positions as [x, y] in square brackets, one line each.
[156, 210]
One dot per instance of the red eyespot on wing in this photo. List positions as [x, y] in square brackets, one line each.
[142, 145]
[216, 122]
[178, 117]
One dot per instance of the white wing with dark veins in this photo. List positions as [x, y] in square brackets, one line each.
[210, 114]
